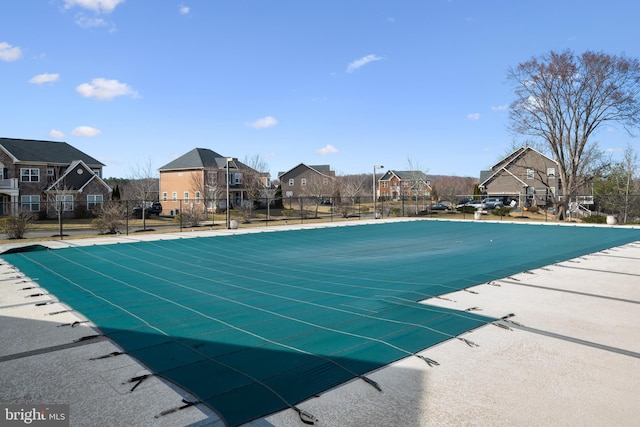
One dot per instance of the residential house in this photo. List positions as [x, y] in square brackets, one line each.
[310, 181]
[526, 175]
[198, 180]
[35, 174]
[397, 185]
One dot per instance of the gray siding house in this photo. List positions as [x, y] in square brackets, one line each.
[36, 174]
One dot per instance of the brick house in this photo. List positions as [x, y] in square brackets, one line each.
[40, 176]
[394, 185]
[197, 180]
[526, 175]
[304, 180]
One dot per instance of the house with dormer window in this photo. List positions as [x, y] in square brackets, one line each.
[397, 185]
[526, 175]
[36, 174]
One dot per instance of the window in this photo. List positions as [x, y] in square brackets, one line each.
[197, 197]
[5, 173]
[530, 173]
[29, 175]
[325, 181]
[292, 182]
[32, 203]
[211, 178]
[237, 178]
[174, 196]
[50, 172]
[303, 181]
[164, 196]
[186, 197]
[405, 184]
[94, 201]
[384, 184]
[551, 172]
[66, 200]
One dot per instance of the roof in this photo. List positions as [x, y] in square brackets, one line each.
[404, 175]
[320, 169]
[198, 158]
[503, 165]
[77, 176]
[36, 151]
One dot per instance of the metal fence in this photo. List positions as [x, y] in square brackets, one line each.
[69, 218]
[62, 219]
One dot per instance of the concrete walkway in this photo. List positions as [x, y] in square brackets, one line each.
[567, 353]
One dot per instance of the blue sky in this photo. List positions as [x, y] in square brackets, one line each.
[351, 84]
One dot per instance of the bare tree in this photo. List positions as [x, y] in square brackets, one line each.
[450, 188]
[318, 189]
[349, 189]
[563, 99]
[417, 181]
[144, 186]
[255, 179]
[616, 191]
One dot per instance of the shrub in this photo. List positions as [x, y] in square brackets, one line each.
[109, 217]
[467, 209]
[501, 211]
[191, 218]
[15, 226]
[595, 219]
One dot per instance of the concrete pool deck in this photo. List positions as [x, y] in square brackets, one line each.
[568, 354]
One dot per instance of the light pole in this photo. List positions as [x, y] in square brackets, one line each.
[375, 215]
[229, 159]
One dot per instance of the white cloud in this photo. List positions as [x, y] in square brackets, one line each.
[85, 131]
[327, 149]
[104, 89]
[56, 134]
[358, 63]
[499, 107]
[473, 116]
[99, 6]
[44, 78]
[9, 53]
[184, 10]
[85, 22]
[263, 123]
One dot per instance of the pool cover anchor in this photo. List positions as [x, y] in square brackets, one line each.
[370, 382]
[305, 417]
[112, 354]
[430, 362]
[138, 380]
[178, 408]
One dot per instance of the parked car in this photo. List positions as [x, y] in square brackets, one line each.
[440, 207]
[493, 202]
[154, 209]
[464, 202]
[475, 205]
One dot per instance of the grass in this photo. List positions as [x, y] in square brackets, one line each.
[277, 218]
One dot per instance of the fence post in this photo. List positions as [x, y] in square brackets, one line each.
[60, 218]
[126, 216]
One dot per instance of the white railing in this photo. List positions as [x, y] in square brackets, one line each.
[10, 183]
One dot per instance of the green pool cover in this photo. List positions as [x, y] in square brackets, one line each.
[255, 323]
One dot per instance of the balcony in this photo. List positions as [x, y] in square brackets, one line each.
[9, 183]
